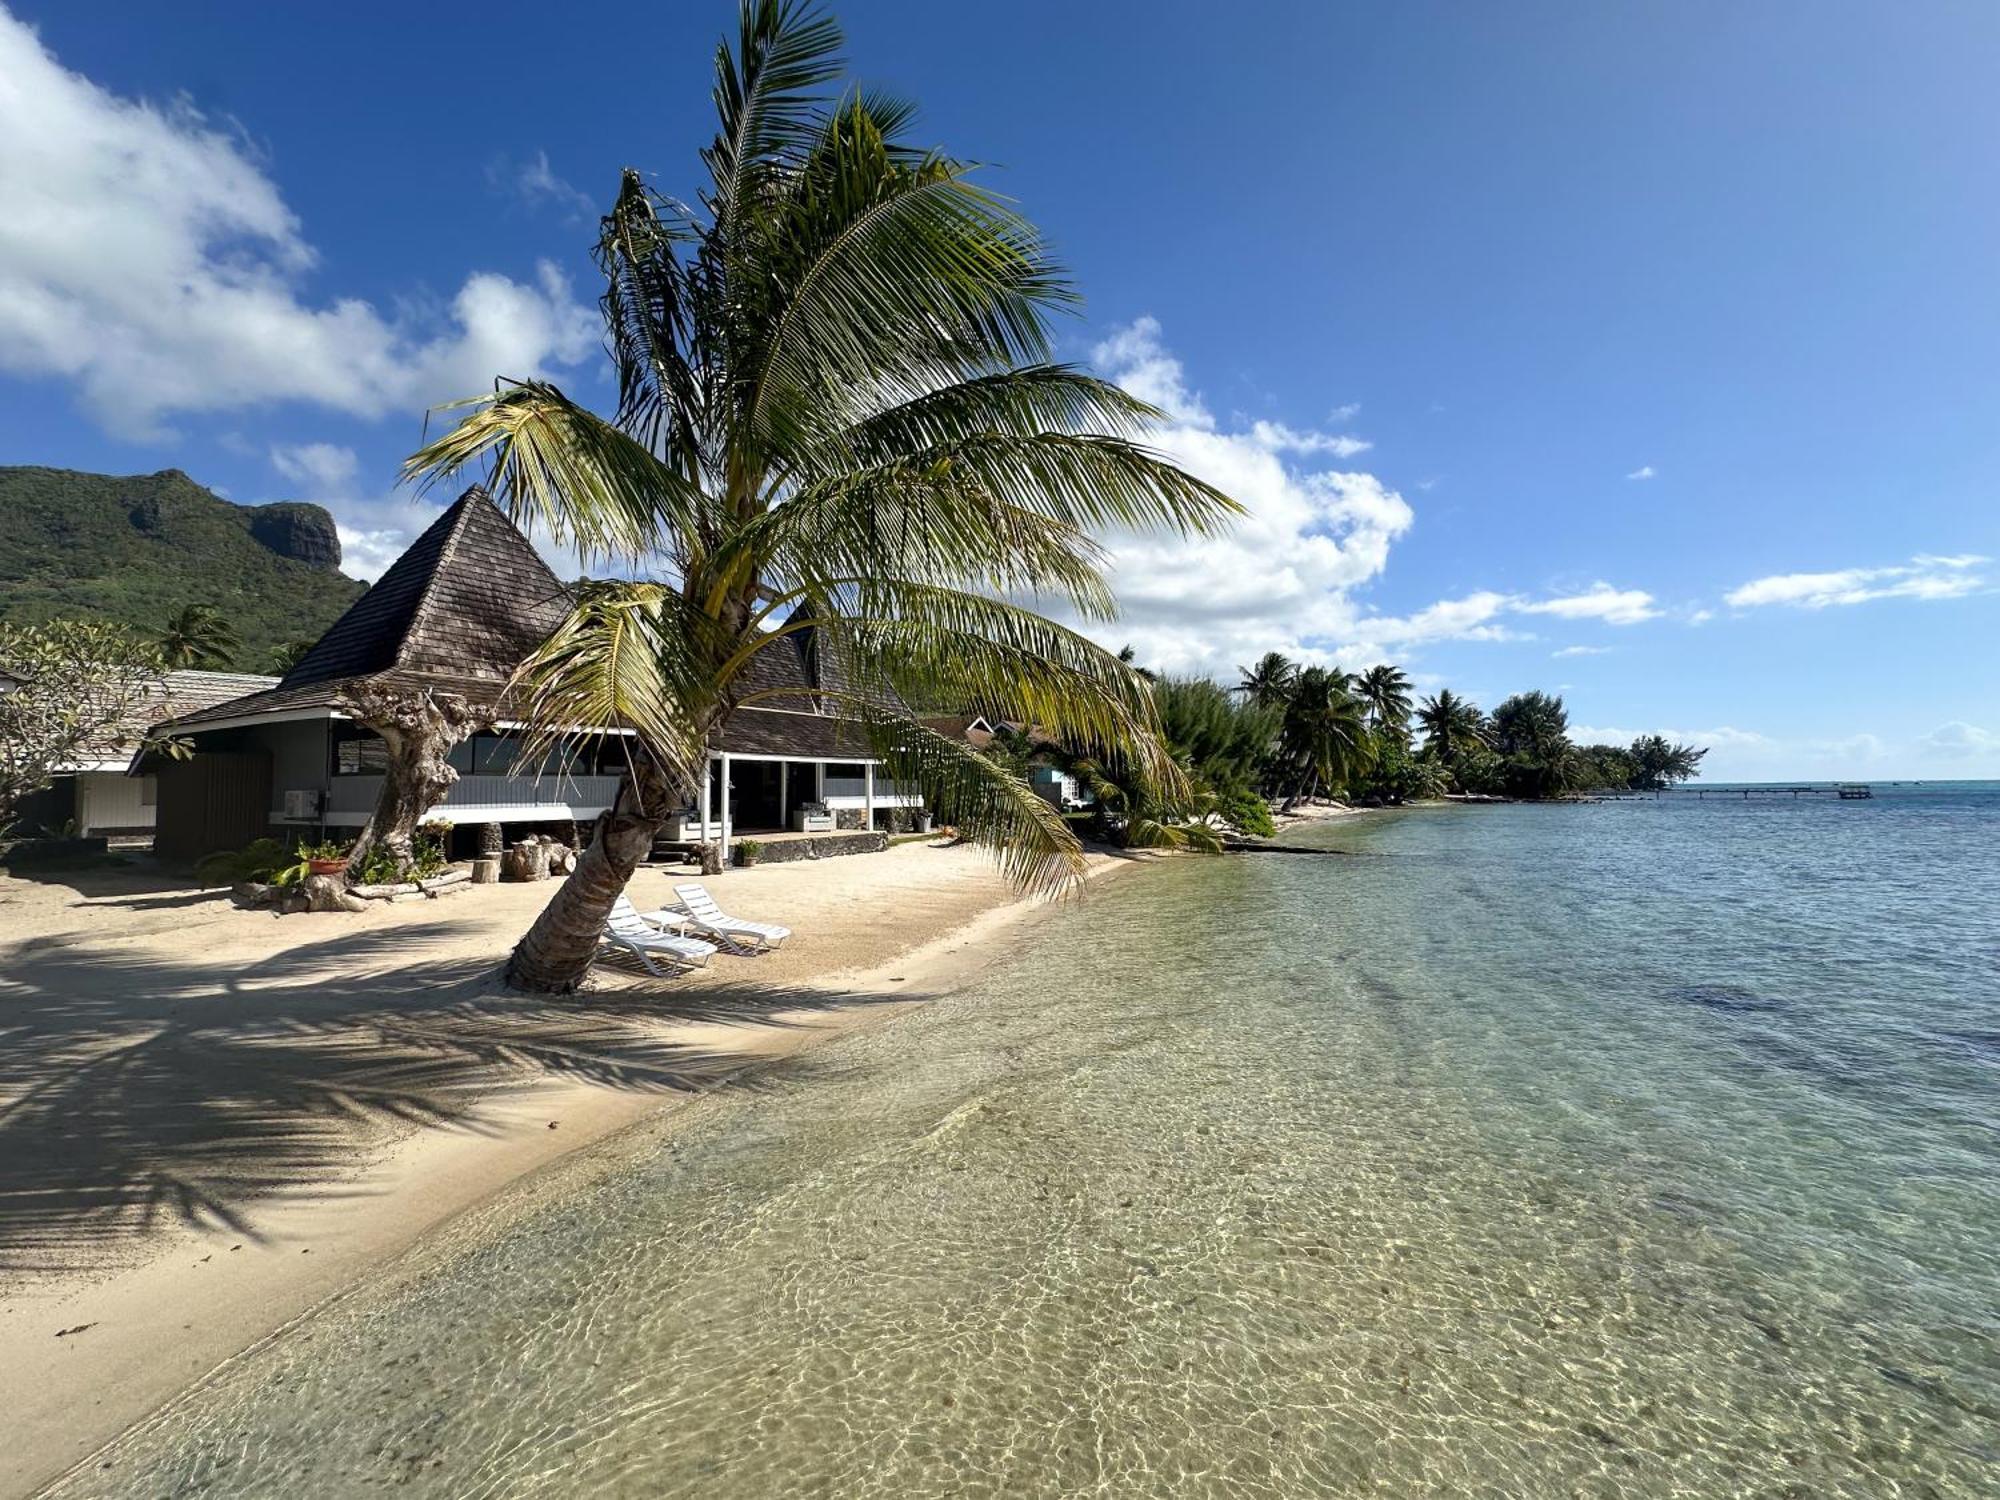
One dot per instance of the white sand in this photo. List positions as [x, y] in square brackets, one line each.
[212, 1120]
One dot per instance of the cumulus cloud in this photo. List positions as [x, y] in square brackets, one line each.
[1599, 602]
[1346, 412]
[1283, 578]
[1280, 578]
[1922, 577]
[1644, 471]
[324, 466]
[147, 257]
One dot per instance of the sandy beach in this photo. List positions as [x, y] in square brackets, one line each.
[212, 1120]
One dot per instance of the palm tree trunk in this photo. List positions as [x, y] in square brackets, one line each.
[557, 952]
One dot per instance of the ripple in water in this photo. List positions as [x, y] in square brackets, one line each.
[1628, 1150]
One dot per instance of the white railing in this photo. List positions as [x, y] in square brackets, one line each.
[577, 795]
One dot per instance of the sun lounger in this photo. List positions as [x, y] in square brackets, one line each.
[631, 930]
[734, 933]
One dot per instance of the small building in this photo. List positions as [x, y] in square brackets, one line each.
[93, 796]
[458, 612]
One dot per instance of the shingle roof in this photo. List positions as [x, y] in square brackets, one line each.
[184, 692]
[457, 612]
[470, 598]
[469, 601]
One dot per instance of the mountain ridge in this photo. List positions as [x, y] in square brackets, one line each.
[135, 548]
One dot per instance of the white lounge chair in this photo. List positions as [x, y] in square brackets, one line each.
[633, 931]
[734, 933]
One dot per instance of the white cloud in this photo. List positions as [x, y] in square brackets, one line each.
[1279, 438]
[1280, 578]
[1599, 602]
[1923, 577]
[1346, 412]
[147, 257]
[1644, 471]
[536, 184]
[325, 466]
[1961, 741]
[1580, 651]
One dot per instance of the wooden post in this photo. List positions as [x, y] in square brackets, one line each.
[784, 793]
[725, 801]
[706, 801]
[868, 795]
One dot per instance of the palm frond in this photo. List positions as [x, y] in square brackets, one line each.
[565, 468]
[630, 656]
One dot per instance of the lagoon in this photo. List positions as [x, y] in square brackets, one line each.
[1643, 1148]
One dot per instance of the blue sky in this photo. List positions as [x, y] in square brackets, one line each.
[1643, 351]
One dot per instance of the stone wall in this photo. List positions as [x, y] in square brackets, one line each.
[823, 846]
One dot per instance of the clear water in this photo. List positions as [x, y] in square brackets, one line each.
[1638, 1149]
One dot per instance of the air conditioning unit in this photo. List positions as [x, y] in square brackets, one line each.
[301, 806]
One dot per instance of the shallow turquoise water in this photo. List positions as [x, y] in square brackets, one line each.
[1635, 1149]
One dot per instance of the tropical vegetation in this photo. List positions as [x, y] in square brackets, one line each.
[197, 636]
[71, 692]
[838, 412]
[132, 549]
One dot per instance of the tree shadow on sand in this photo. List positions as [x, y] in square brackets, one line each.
[139, 1093]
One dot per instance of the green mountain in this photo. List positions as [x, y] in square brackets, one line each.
[135, 549]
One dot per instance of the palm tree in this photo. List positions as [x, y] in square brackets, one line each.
[196, 636]
[836, 413]
[1385, 692]
[1324, 737]
[1269, 683]
[288, 655]
[1453, 726]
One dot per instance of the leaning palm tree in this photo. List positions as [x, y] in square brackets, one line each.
[1385, 692]
[196, 636]
[1269, 683]
[837, 413]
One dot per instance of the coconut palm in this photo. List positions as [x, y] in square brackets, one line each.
[1385, 692]
[837, 413]
[1324, 737]
[1453, 726]
[196, 636]
[1269, 683]
[288, 655]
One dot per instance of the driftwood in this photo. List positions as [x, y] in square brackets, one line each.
[420, 727]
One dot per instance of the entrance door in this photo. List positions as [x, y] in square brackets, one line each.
[754, 799]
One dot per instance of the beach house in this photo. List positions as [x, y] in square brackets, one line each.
[92, 796]
[457, 613]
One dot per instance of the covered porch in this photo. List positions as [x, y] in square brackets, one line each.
[764, 796]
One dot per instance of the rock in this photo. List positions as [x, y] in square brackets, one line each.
[304, 533]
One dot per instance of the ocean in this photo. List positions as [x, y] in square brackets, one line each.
[1645, 1148]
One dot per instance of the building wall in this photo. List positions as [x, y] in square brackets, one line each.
[110, 802]
[298, 761]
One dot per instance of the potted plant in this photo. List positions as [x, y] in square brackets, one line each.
[328, 858]
[748, 852]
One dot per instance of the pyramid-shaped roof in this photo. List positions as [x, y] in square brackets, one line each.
[470, 598]
[458, 611]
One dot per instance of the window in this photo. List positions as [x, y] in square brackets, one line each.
[149, 791]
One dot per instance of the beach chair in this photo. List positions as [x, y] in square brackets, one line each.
[633, 931]
[735, 934]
